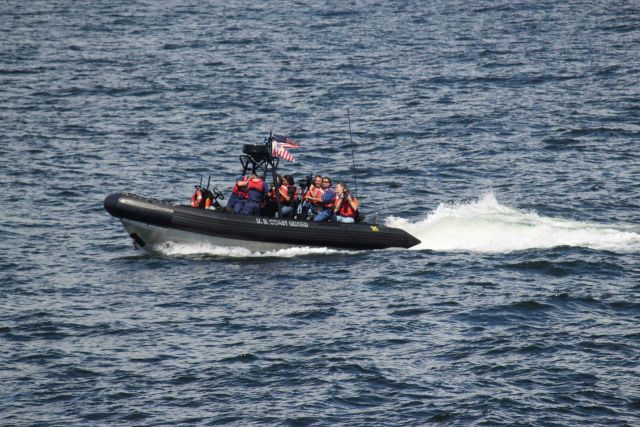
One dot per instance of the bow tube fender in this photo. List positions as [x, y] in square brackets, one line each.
[137, 208]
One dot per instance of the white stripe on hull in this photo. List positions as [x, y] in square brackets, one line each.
[153, 236]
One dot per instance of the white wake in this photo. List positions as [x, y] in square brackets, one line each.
[186, 249]
[487, 226]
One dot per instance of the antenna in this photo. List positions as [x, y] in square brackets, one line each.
[353, 157]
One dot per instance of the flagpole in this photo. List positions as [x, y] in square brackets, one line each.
[353, 157]
[274, 175]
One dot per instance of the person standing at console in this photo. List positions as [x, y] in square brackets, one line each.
[238, 194]
[328, 201]
[255, 193]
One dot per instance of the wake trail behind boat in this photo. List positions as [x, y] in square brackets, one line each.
[489, 227]
[186, 249]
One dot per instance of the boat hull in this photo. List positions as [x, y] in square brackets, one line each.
[150, 237]
[152, 222]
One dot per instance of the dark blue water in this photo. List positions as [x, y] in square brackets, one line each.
[502, 134]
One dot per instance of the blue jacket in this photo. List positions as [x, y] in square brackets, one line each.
[328, 198]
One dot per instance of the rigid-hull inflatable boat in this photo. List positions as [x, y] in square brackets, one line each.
[152, 222]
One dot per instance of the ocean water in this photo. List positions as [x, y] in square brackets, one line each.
[502, 134]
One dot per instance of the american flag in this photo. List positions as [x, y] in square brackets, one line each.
[279, 145]
[277, 150]
[286, 142]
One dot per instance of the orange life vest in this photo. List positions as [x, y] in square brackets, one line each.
[346, 209]
[256, 184]
[241, 192]
[284, 191]
[315, 194]
[255, 188]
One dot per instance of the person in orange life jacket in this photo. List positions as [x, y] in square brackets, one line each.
[313, 197]
[346, 207]
[237, 194]
[287, 193]
[328, 200]
[255, 192]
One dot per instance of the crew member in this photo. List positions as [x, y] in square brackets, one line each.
[313, 197]
[255, 192]
[238, 194]
[328, 201]
[346, 206]
[270, 208]
[287, 194]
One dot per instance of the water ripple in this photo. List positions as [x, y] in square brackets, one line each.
[504, 135]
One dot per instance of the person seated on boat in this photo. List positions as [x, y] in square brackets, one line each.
[255, 193]
[313, 197]
[346, 206]
[238, 193]
[269, 207]
[287, 194]
[328, 201]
